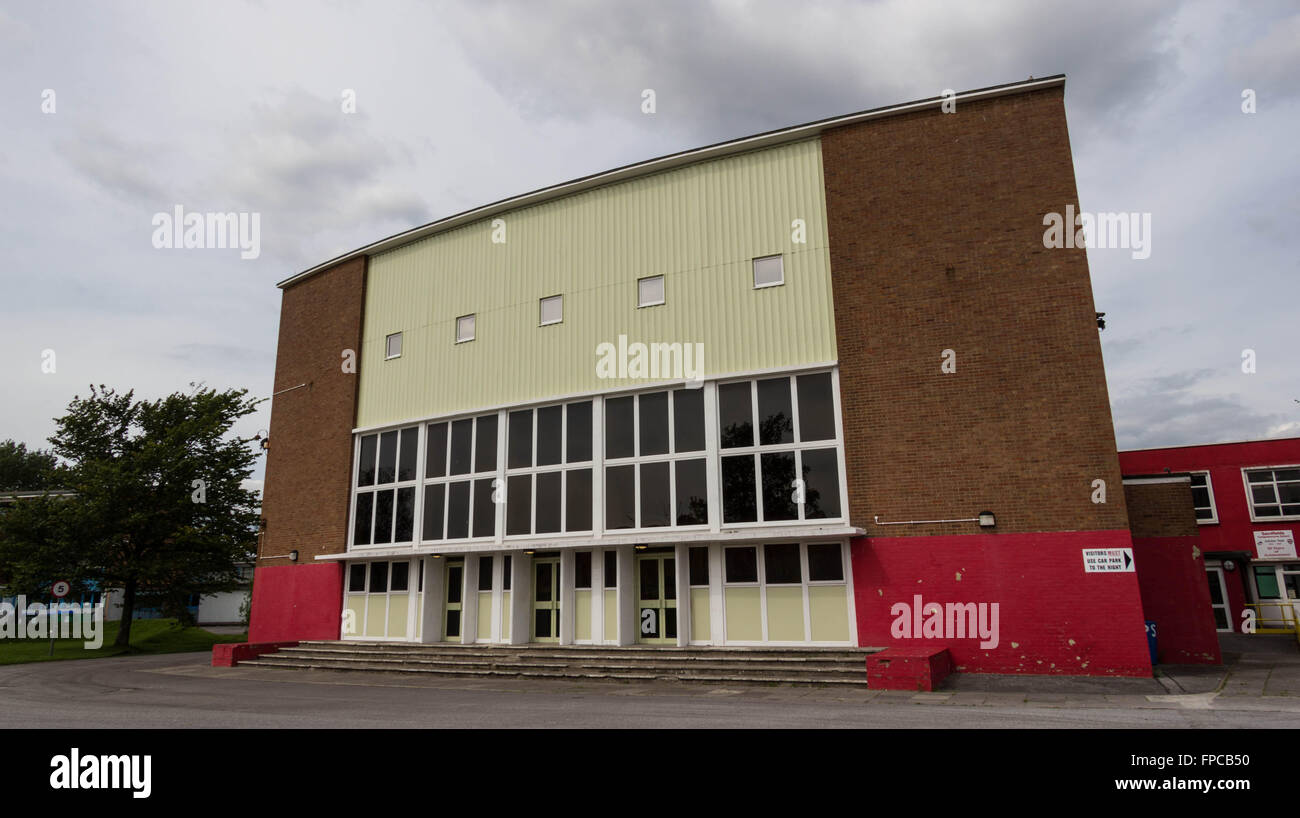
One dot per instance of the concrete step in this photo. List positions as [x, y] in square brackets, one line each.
[794, 655]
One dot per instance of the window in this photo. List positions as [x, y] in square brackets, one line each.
[385, 494]
[655, 473]
[485, 573]
[1274, 493]
[611, 569]
[545, 493]
[465, 328]
[650, 291]
[825, 562]
[699, 565]
[741, 564]
[769, 271]
[769, 470]
[582, 570]
[460, 466]
[552, 310]
[1203, 498]
[357, 578]
[393, 346]
[781, 564]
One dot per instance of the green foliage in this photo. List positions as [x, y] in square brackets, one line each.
[23, 470]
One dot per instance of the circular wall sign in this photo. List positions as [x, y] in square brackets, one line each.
[60, 589]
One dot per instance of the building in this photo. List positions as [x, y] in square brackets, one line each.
[578, 414]
[1246, 498]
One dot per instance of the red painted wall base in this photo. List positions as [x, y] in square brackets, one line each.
[1050, 616]
[296, 602]
[1176, 596]
[231, 654]
[908, 668]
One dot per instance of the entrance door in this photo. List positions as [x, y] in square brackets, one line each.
[546, 599]
[1219, 599]
[656, 583]
[455, 593]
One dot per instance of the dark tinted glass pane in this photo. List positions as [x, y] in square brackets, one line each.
[816, 407]
[408, 451]
[781, 564]
[400, 580]
[1259, 476]
[648, 579]
[1289, 492]
[1268, 511]
[619, 441]
[366, 461]
[387, 457]
[1201, 497]
[357, 578]
[825, 563]
[778, 486]
[688, 420]
[738, 501]
[699, 566]
[577, 500]
[1198, 479]
[435, 464]
[1216, 591]
[543, 623]
[670, 623]
[505, 573]
[383, 516]
[453, 624]
[361, 524]
[582, 569]
[433, 511]
[519, 448]
[775, 417]
[543, 571]
[655, 510]
[821, 478]
[692, 493]
[455, 582]
[1263, 494]
[519, 504]
[378, 577]
[550, 426]
[579, 437]
[611, 569]
[1286, 474]
[485, 511]
[654, 423]
[485, 573]
[457, 510]
[548, 502]
[405, 514]
[620, 497]
[1204, 514]
[462, 445]
[670, 578]
[741, 564]
[735, 415]
[485, 444]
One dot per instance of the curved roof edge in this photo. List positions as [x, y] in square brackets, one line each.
[662, 163]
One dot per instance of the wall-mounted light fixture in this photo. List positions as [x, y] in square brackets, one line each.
[641, 547]
[293, 555]
[529, 551]
[987, 520]
[1229, 565]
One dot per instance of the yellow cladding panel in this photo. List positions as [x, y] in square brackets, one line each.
[484, 615]
[700, 615]
[506, 615]
[357, 620]
[397, 607]
[828, 606]
[611, 615]
[699, 226]
[376, 615]
[582, 615]
[785, 613]
[744, 615]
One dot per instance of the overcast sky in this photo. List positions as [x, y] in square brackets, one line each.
[237, 106]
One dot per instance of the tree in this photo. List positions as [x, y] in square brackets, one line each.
[23, 470]
[159, 508]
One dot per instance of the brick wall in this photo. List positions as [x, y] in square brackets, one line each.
[936, 226]
[1161, 509]
[309, 465]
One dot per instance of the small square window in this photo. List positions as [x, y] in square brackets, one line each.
[769, 271]
[650, 291]
[464, 328]
[552, 310]
[393, 346]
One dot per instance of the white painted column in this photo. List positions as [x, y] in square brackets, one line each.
[682, 563]
[435, 599]
[521, 598]
[498, 581]
[568, 598]
[628, 621]
[717, 607]
[598, 597]
[413, 606]
[469, 602]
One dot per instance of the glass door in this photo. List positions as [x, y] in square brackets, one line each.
[455, 593]
[546, 599]
[656, 583]
[1219, 599]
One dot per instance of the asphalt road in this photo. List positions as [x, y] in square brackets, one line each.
[182, 691]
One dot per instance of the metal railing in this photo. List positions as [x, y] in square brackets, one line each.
[1277, 616]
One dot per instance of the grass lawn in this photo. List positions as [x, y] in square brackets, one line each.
[148, 636]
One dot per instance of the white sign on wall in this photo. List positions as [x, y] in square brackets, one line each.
[1275, 544]
[1107, 560]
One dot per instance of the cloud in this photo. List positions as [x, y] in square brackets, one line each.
[122, 168]
[1166, 410]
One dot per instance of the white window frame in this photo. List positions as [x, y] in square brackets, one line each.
[388, 346]
[473, 332]
[1213, 519]
[448, 479]
[754, 270]
[805, 584]
[1250, 498]
[541, 310]
[562, 468]
[663, 287]
[412, 588]
[376, 487]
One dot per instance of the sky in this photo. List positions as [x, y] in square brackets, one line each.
[239, 106]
